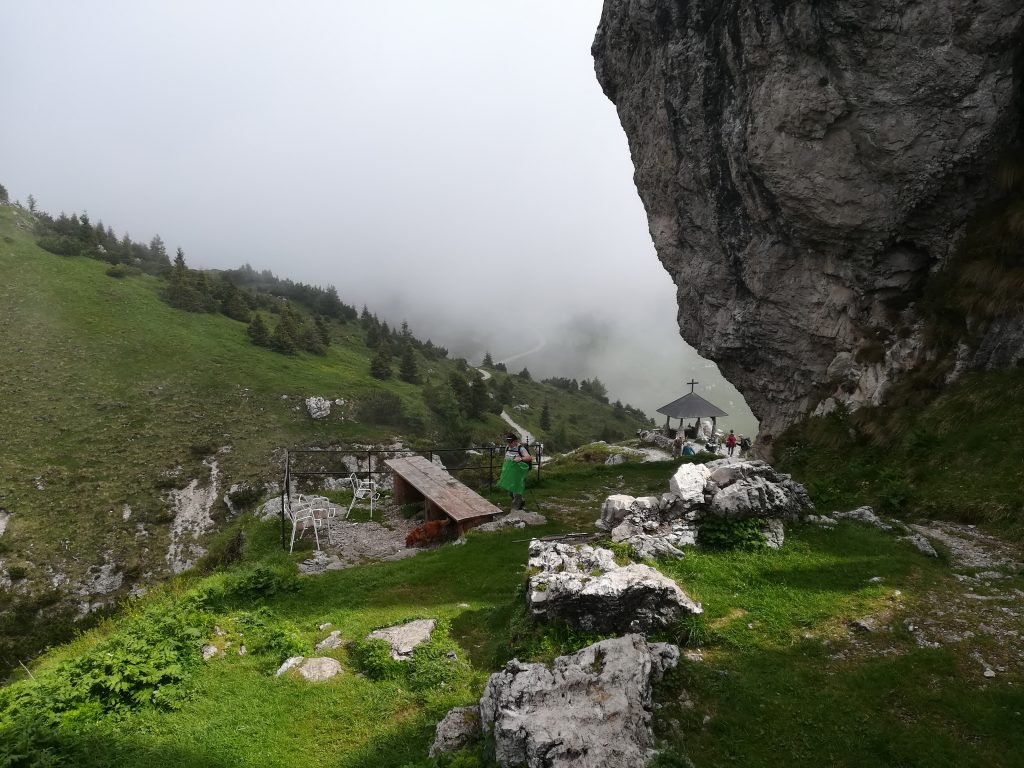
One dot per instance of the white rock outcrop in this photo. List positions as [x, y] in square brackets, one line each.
[455, 730]
[517, 519]
[318, 407]
[585, 588]
[330, 642]
[192, 519]
[614, 510]
[688, 482]
[403, 638]
[316, 669]
[588, 710]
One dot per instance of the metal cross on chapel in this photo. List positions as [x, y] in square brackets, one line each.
[692, 383]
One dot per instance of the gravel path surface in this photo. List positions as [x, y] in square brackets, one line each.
[361, 542]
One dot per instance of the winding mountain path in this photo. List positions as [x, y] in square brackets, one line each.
[541, 343]
[524, 436]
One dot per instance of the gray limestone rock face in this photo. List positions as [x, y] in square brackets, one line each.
[753, 497]
[864, 515]
[586, 589]
[517, 519]
[614, 510]
[646, 547]
[806, 168]
[330, 642]
[774, 532]
[315, 669]
[319, 668]
[589, 710]
[688, 482]
[740, 488]
[404, 638]
[455, 730]
[920, 543]
[318, 407]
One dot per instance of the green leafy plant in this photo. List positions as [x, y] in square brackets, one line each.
[719, 533]
[373, 657]
[261, 582]
[265, 633]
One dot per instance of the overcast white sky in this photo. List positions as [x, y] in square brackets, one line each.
[453, 163]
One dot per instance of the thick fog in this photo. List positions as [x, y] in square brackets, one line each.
[451, 163]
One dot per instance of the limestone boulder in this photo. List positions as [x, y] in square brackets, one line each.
[865, 515]
[318, 407]
[316, 669]
[403, 638]
[458, 727]
[591, 709]
[517, 519]
[753, 497]
[647, 547]
[330, 642]
[688, 482]
[739, 488]
[586, 589]
[614, 509]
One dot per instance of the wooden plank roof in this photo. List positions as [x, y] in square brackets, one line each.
[458, 502]
[691, 406]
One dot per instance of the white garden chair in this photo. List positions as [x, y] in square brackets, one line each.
[307, 512]
[363, 489]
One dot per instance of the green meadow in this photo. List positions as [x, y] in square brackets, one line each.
[773, 676]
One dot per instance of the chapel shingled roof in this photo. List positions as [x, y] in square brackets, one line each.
[691, 406]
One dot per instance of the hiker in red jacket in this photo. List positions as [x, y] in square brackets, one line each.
[730, 442]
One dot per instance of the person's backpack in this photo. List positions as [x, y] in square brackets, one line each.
[522, 450]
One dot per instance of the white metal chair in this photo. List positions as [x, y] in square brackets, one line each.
[363, 489]
[307, 512]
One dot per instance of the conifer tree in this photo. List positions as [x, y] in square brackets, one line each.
[158, 251]
[407, 368]
[488, 360]
[3, 194]
[258, 332]
[477, 398]
[286, 334]
[31, 200]
[506, 391]
[232, 301]
[372, 335]
[323, 330]
[545, 417]
[380, 365]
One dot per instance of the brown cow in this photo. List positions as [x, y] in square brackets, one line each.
[431, 532]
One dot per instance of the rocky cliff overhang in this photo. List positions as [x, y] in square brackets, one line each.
[806, 167]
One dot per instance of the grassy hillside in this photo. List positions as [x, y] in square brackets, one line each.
[958, 456]
[783, 682]
[111, 398]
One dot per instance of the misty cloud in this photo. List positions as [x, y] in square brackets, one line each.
[454, 164]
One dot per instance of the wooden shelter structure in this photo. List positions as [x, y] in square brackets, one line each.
[691, 406]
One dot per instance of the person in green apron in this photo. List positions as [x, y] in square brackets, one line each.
[515, 469]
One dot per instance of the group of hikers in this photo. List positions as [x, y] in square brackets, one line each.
[518, 461]
[681, 447]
